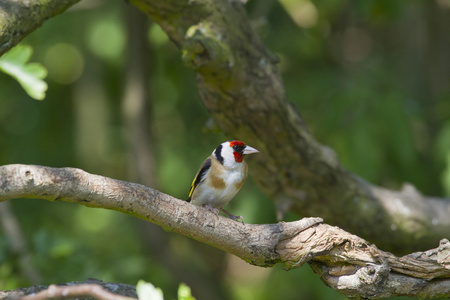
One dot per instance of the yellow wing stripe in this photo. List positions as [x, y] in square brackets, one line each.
[199, 177]
[193, 185]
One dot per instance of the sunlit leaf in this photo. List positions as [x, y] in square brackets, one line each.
[29, 75]
[184, 292]
[147, 291]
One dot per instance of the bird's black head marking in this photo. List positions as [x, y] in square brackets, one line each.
[218, 154]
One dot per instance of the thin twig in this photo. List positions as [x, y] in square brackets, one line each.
[75, 291]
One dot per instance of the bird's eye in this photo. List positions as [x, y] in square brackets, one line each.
[238, 148]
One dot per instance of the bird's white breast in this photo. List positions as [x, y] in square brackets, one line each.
[210, 193]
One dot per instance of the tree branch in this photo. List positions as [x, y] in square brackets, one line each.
[19, 18]
[77, 291]
[344, 261]
[12, 231]
[93, 288]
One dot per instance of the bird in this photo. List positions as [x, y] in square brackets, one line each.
[220, 177]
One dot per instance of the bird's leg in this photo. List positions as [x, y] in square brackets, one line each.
[233, 217]
[211, 209]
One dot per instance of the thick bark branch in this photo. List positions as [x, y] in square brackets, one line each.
[253, 243]
[19, 18]
[240, 85]
[344, 261]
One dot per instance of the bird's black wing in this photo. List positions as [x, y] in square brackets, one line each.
[199, 177]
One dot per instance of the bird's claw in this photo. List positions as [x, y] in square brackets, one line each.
[216, 212]
[233, 217]
[237, 218]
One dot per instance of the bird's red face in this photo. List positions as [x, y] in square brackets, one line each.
[240, 149]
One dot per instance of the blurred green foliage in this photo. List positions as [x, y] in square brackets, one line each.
[362, 74]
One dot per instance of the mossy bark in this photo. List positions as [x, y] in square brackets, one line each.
[19, 18]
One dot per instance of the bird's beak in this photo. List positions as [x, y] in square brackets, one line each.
[249, 150]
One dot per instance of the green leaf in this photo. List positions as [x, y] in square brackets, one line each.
[147, 291]
[184, 292]
[29, 75]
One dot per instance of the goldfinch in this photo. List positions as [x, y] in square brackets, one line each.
[220, 177]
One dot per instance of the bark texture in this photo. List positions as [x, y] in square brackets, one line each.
[19, 18]
[89, 289]
[344, 261]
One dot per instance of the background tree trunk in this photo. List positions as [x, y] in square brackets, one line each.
[240, 85]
